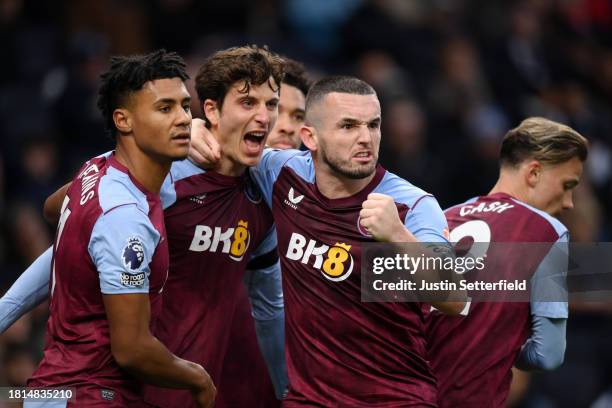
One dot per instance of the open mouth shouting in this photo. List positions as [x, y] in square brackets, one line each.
[254, 142]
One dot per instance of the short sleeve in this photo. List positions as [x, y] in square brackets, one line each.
[268, 169]
[122, 245]
[426, 220]
[548, 285]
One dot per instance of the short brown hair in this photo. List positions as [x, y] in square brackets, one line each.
[544, 140]
[340, 84]
[252, 64]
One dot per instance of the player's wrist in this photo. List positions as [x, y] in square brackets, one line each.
[401, 234]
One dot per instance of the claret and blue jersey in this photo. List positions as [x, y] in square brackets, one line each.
[110, 240]
[216, 225]
[472, 355]
[338, 348]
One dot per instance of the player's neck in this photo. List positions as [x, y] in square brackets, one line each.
[228, 167]
[334, 186]
[144, 168]
[508, 185]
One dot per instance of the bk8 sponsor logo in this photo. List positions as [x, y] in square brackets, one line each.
[335, 262]
[235, 241]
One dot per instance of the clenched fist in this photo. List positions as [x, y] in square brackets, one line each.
[380, 218]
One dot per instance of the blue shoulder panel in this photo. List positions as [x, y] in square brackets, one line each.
[425, 220]
[116, 189]
[271, 164]
[179, 170]
[121, 246]
[123, 240]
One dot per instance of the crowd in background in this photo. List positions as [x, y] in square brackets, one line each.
[452, 75]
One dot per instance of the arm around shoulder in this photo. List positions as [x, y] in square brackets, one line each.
[53, 204]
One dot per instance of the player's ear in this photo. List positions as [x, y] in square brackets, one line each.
[533, 172]
[211, 111]
[123, 120]
[309, 137]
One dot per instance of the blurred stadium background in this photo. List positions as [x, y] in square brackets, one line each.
[453, 76]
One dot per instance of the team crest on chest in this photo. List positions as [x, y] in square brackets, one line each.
[362, 230]
[252, 192]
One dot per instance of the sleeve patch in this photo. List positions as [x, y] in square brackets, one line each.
[133, 254]
[133, 280]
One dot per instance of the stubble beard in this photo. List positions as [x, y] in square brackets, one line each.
[347, 170]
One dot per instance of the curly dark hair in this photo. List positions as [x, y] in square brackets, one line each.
[128, 74]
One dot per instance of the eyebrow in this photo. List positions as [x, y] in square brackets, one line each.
[172, 100]
[349, 120]
[356, 122]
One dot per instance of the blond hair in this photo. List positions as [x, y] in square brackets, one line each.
[544, 140]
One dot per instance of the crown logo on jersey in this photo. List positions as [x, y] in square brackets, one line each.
[343, 245]
[240, 241]
[335, 263]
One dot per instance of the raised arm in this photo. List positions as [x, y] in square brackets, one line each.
[425, 224]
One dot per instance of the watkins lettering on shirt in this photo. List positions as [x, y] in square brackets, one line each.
[89, 178]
